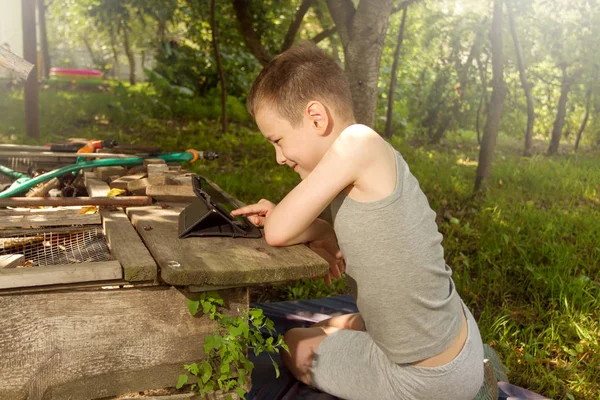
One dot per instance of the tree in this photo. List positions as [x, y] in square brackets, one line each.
[42, 9]
[390, 108]
[492, 124]
[524, 81]
[588, 100]
[213, 27]
[362, 32]
[253, 39]
[566, 83]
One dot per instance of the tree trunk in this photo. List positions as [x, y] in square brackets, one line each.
[32, 114]
[113, 46]
[524, 81]
[42, 7]
[492, 123]
[394, 79]
[588, 101]
[251, 38]
[559, 122]
[483, 101]
[295, 25]
[362, 32]
[213, 28]
[129, 53]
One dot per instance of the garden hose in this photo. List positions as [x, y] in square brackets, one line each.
[25, 184]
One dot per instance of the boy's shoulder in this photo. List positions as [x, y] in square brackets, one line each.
[362, 141]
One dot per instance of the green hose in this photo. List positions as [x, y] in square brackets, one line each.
[12, 174]
[14, 190]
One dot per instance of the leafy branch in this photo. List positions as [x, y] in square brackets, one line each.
[226, 366]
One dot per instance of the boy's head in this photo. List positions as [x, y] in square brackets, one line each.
[301, 101]
[297, 76]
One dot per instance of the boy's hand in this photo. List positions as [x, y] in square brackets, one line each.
[328, 249]
[256, 213]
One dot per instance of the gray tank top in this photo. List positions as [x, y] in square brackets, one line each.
[396, 269]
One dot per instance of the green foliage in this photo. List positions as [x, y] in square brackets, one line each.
[526, 260]
[226, 366]
[305, 289]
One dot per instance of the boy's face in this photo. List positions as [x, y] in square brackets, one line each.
[300, 147]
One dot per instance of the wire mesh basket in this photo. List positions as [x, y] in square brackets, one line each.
[56, 246]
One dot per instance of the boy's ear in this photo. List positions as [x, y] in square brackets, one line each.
[318, 117]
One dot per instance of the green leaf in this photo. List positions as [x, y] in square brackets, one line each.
[276, 369]
[206, 372]
[182, 381]
[235, 331]
[224, 368]
[241, 392]
[193, 306]
[209, 343]
[206, 307]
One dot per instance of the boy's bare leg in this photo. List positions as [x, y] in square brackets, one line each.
[303, 343]
[346, 321]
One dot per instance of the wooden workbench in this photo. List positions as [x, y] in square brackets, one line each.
[100, 329]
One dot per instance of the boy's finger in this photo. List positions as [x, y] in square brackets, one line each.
[249, 209]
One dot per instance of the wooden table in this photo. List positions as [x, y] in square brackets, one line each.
[100, 329]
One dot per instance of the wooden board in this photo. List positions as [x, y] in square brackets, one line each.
[92, 344]
[48, 218]
[60, 274]
[175, 193]
[218, 261]
[95, 187]
[15, 63]
[122, 182]
[127, 247]
[11, 260]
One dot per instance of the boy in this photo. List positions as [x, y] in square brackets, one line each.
[413, 337]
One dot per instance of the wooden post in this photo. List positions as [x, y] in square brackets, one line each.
[32, 118]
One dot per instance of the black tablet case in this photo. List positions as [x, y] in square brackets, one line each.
[203, 218]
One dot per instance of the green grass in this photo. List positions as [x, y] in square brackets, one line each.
[526, 257]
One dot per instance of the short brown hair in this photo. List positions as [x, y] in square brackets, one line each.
[296, 76]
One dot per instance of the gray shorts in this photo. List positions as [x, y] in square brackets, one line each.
[349, 365]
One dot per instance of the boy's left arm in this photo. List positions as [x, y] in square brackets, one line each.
[291, 221]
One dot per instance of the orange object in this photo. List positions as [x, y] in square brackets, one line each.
[95, 144]
[195, 153]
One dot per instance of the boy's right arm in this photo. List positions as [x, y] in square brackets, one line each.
[319, 236]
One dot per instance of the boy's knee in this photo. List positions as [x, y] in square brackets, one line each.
[302, 343]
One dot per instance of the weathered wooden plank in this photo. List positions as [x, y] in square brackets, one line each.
[75, 201]
[127, 247]
[53, 218]
[122, 182]
[156, 169]
[95, 344]
[176, 193]
[95, 187]
[15, 63]
[113, 285]
[60, 274]
[218, 261]
[138, 186]
[103, 173]
[11, 260]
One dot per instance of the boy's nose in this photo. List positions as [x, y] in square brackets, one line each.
[280, 157]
